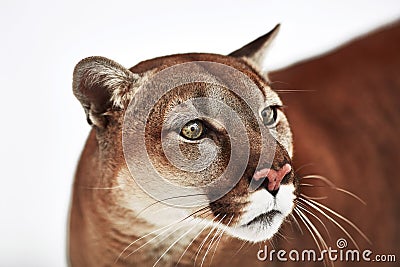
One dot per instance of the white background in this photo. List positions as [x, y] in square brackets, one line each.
[43, 127]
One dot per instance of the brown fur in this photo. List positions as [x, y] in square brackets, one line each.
[347, 128]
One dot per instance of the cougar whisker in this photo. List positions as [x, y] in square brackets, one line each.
[220, 237]
[155, 237]
[316, 217]
[316, 204]
[321, 242]
[169, 198]
[210, 244]
[203, 210]
[194, 238]
[333, 186]
[176, 241]
[297, 223]
[205, 239]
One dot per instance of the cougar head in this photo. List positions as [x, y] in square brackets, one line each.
[201, 134]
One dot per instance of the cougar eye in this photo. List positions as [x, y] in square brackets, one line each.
[269, 115]
[192, 130]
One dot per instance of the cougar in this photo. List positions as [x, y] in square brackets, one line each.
[188, 155]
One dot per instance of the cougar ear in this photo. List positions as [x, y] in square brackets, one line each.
[256, 51]
[101, 84]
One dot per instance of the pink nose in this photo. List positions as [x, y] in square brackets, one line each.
[274, 177]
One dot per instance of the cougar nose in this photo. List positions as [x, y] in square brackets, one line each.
[274, 177]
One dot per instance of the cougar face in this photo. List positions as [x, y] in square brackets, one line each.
[197, 129]
[200, 138]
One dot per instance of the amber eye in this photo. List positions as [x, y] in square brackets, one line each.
[192, 130]
[269, 115]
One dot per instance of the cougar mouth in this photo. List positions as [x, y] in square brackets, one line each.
[265, 218]
[264, 214]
